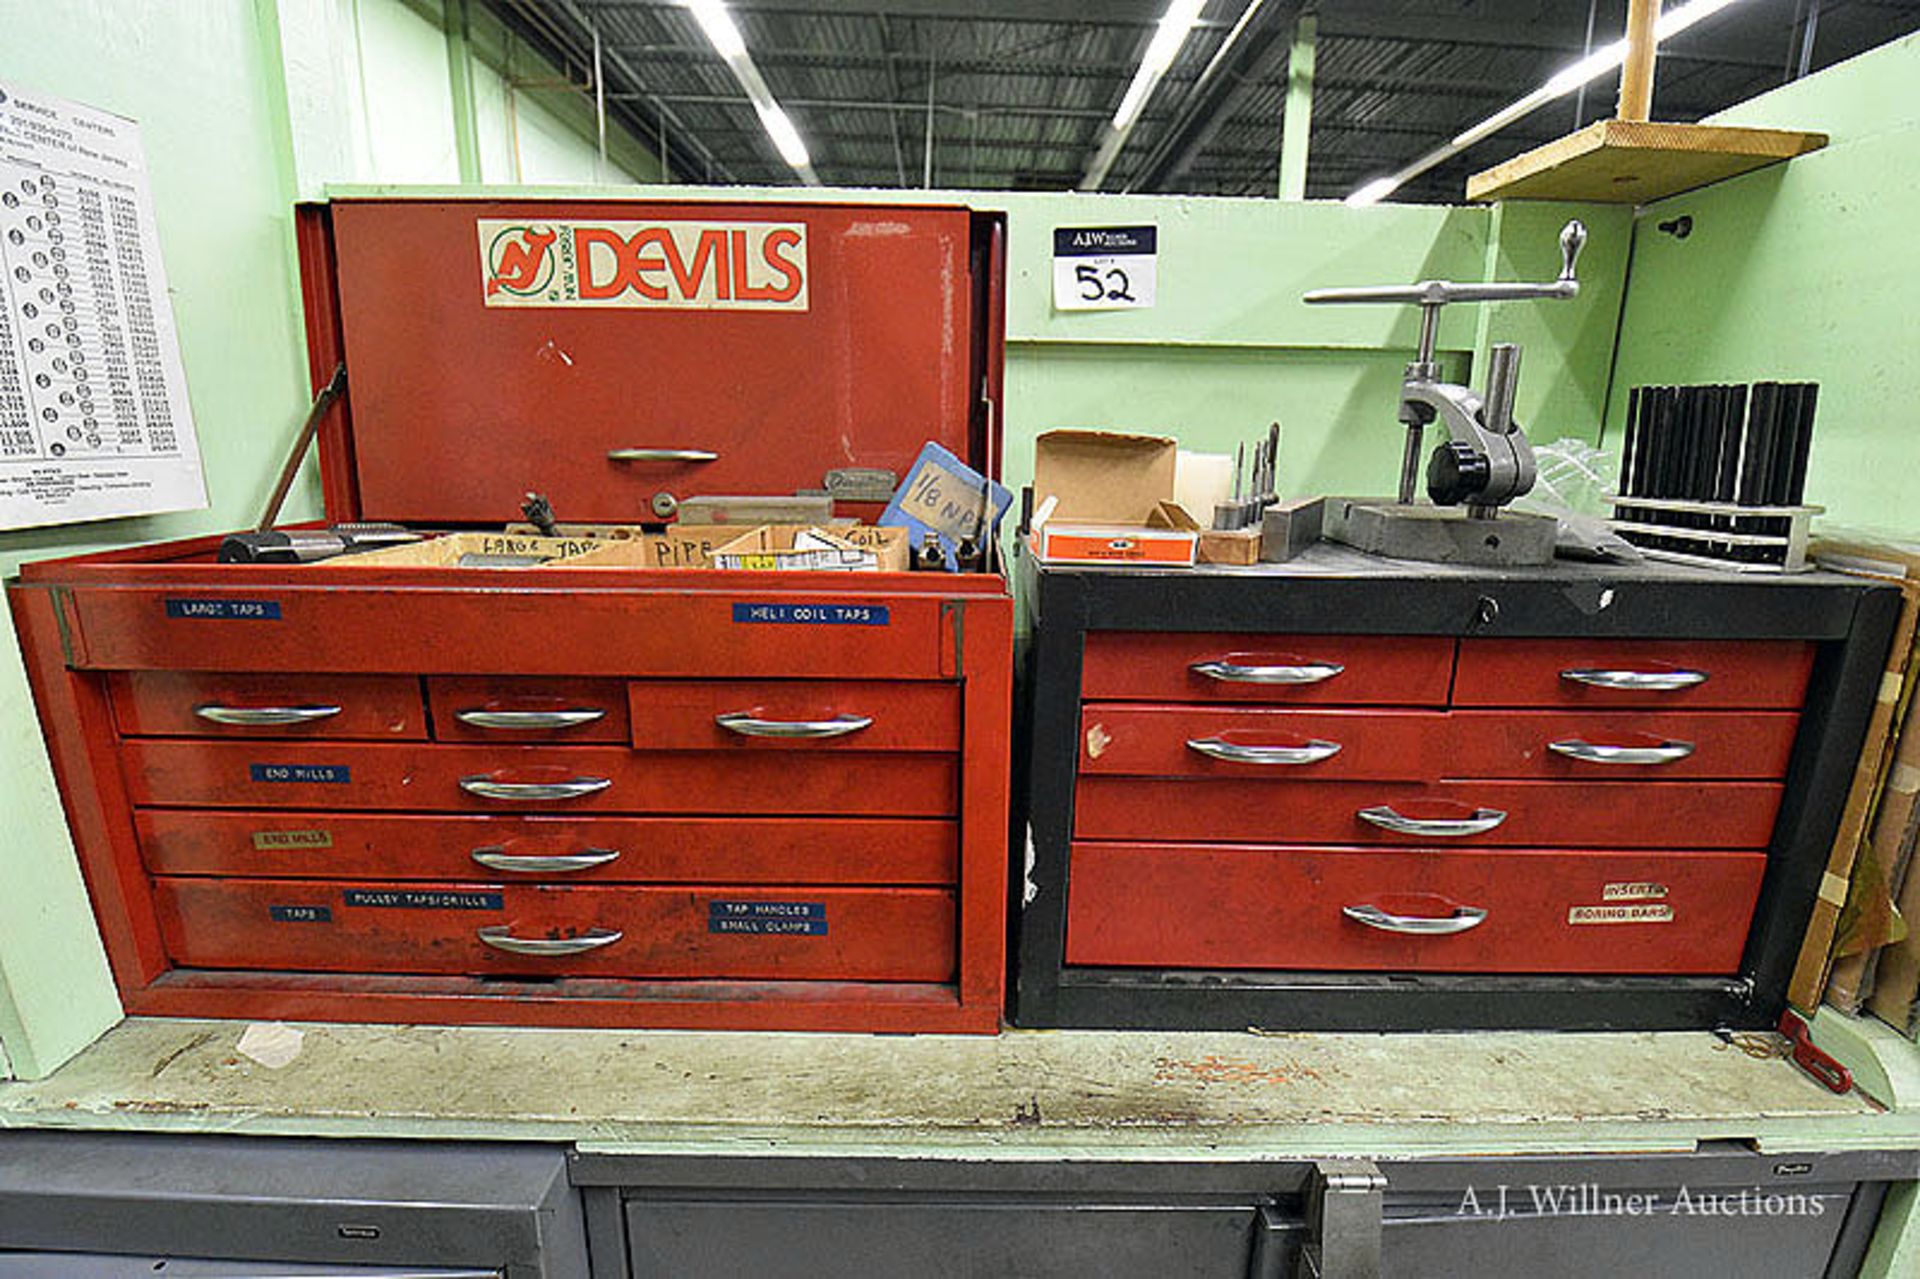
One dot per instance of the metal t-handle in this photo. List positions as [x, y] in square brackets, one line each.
[1573, 238]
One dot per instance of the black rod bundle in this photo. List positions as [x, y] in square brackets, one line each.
[1738, 445]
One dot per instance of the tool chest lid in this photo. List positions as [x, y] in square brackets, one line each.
[620, 355]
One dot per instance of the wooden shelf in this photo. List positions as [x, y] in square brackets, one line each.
[1630, 162]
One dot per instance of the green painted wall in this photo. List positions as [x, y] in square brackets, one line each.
[1805, 270]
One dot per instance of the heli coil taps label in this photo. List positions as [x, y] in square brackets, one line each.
[700, 266]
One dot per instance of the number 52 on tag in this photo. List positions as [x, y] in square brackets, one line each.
[1103, 268]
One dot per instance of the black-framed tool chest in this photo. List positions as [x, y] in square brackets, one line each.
[1347, 793]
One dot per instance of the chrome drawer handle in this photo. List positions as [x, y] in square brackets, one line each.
[501, 937]
[1311, 752]
[1234, 673]
[498, 858]
[1482, 821]
[661, 455]
[573, 788]
[1636, 681]
[521, 721]
[256, 716]
[1599, 753]
[1463, 918]
[748, 725]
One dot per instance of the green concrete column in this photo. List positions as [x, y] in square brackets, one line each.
[1297, 123]
[466, 123]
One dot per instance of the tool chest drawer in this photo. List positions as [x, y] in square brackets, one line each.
[1411, 670]
[510, 778]
[1434, 814]
[795, 715]
[479, 708]
[1177, 741]
[1504, 911]
[1691, 674]
[1620, 745]
[266, 704]
[752, 850]
[814, 933]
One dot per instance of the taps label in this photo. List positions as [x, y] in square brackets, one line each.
[700, 266]
[225, 610]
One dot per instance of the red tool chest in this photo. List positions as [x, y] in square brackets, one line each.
[1377, 795]
[583, 795]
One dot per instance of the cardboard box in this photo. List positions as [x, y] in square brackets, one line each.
[470, 550]
[1104, 498]
[856, 547]
[1103, 477]
[1059, 543]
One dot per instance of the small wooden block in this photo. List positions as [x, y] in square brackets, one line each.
[1230, 546]
[1629, 162]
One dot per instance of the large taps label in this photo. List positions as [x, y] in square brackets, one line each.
[702, 266]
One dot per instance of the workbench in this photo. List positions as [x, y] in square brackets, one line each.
[1062, 1153]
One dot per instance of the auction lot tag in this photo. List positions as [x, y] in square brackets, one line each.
[1104, 268]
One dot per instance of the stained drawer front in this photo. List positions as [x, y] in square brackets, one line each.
[734, 850]
[795, 715]
[506, 779]
[1180, 741]
[1698, 674]
[522, 708]
[1467, 910]
[1159, 666]
[1620, 745]
[266, 704]
[1434, 815]
[895, 934]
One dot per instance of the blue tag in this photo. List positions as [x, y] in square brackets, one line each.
[301, 914]
[226, 610]
[302, 774]
[419, 899]
[944, 496]
[813, 614]
[804, 919]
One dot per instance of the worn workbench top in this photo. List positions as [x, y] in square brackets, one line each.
[1023, 1094]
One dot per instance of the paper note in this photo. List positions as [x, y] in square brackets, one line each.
[94, 420]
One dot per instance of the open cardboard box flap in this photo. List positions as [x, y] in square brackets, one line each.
[1103, 477]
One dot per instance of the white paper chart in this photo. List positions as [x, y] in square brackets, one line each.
[94, 420]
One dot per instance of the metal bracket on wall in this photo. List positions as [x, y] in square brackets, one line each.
[1344, 1203]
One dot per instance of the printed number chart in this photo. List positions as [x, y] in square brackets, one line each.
[94, 419]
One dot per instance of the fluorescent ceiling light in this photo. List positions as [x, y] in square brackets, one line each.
[721, 31]
[1602, 61]
[724, 35]
[1175, 23]
[1168, 36]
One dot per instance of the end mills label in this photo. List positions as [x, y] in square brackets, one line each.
[803, 919]
[301, 774]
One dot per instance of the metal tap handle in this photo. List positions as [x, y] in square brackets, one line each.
[1462, 919]
[1573, 237]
